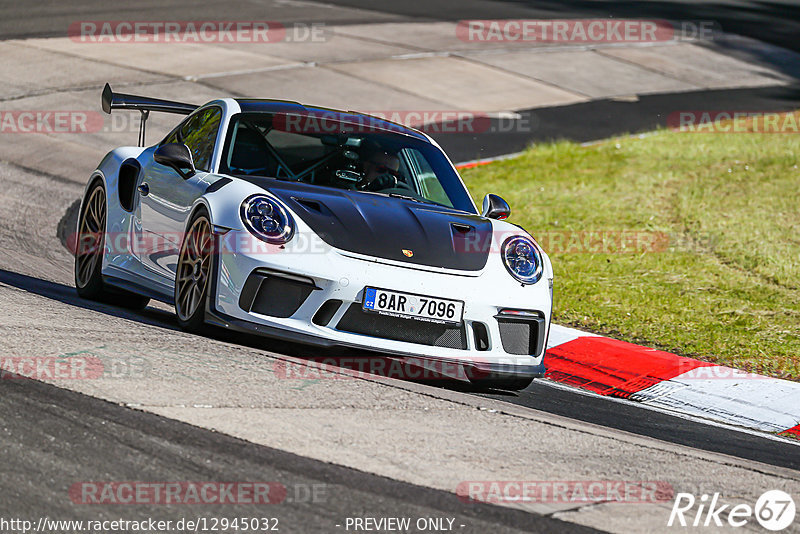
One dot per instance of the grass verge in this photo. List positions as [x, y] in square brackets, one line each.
[688, 242]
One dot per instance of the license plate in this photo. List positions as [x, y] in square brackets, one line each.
[413, 306]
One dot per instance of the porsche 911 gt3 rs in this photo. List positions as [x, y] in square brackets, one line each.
[318, 226]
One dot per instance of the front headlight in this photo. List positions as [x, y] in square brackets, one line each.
[267, 219]
[522, 259]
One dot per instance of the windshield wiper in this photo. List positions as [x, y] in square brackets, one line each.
[406, 197]
[420, 200]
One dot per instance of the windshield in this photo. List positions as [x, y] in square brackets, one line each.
[343, 156]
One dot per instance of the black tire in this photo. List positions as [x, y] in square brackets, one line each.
[89, 245]
[89, 254]
[193, 273]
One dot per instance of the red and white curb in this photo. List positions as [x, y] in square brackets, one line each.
[672, 383]
[666, 381]
[481, 162]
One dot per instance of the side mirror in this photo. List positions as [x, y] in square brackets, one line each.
[495, 207]
[177, 156]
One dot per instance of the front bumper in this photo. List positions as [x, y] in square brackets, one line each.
[327, 287]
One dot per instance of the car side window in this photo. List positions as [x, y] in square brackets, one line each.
[199, 133]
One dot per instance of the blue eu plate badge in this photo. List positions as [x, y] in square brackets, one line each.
[369, 298]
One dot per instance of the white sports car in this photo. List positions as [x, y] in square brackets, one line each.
[317, 226]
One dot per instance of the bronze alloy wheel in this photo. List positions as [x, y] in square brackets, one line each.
[89, 255]
[194, 268]
[89, 249]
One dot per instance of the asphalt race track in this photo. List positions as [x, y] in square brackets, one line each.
[541, 396]
[73, 431]
[604, 118]
[776, 22]
[53, 435]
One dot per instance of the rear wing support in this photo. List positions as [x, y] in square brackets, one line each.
[143, 125]
[111, 101]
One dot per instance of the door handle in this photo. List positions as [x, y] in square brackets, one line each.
[144, 189]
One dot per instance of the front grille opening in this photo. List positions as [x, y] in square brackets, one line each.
[481, 335]
[326, 312]
[358, 321]
[279, 297]
[521, 336]
[274, 295]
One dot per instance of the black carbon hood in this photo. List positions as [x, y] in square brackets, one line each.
[385, 227]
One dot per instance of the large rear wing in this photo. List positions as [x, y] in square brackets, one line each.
[111, 101]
